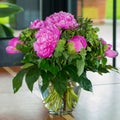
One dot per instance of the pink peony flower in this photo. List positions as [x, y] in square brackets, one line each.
[108, 52]
[77, 43]
[47, 39]
[62, 20]
[37, 24]
[11, 48]
[111, 53]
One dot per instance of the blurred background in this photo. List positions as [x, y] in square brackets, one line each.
[100, 11]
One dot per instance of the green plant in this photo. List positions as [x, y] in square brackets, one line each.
[7, 9]
[58, 49]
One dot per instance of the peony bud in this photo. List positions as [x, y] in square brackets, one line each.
[111, 53]
[108, 52]
[76, 43]
[11, 48]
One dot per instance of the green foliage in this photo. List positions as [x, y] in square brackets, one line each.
[28, 36]
[32, 76]
[60, 83]
[60, 48]
[67, 34]
[87, 30]
[85, 83]
[17, 80]
[71, 71]
[46, 78]
[65, 64]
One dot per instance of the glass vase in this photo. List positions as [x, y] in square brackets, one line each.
[57, 105]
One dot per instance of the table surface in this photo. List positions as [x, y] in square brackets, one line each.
[102, 104]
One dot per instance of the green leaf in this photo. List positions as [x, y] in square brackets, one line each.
[7, 9]
[85, 83]
[44, 64]
[60, 45]
[102, 69]
[17, 81]
[104, 61]
[60, 83]
[27, 65]
[5, 31]
[67, 34]
[60, 48]
[72, 72]
[28, 36]
[83, 53]
[22, 48]
[31, 77]
[2, 32]
[53, 68]
[73, 58]
[80, 66]
[81, 63]
[46, 77]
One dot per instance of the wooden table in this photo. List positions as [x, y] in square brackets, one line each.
[102, 104]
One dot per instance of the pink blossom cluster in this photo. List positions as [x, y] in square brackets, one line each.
[49, 32]
[62, 20]
[108, 52]
[47, 39]
[11, 48]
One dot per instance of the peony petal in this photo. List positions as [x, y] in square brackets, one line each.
[11, 50]
[79, 42]
[111, 53]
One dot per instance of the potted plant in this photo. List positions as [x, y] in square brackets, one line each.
[6, 33]
[59, 51]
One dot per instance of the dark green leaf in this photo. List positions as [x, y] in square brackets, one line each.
[85, 83]
[5, 31]
[53, 69]
[44, 64]
[72, 72]
[60, 82]
[17, 81]
[102, 69]
[9, 9]
[112, 68]
[23, 48]
[104, 61]
[46, 77]
[74, 57]
[31, 77]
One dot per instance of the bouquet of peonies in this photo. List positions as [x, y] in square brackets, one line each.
[59, 49]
